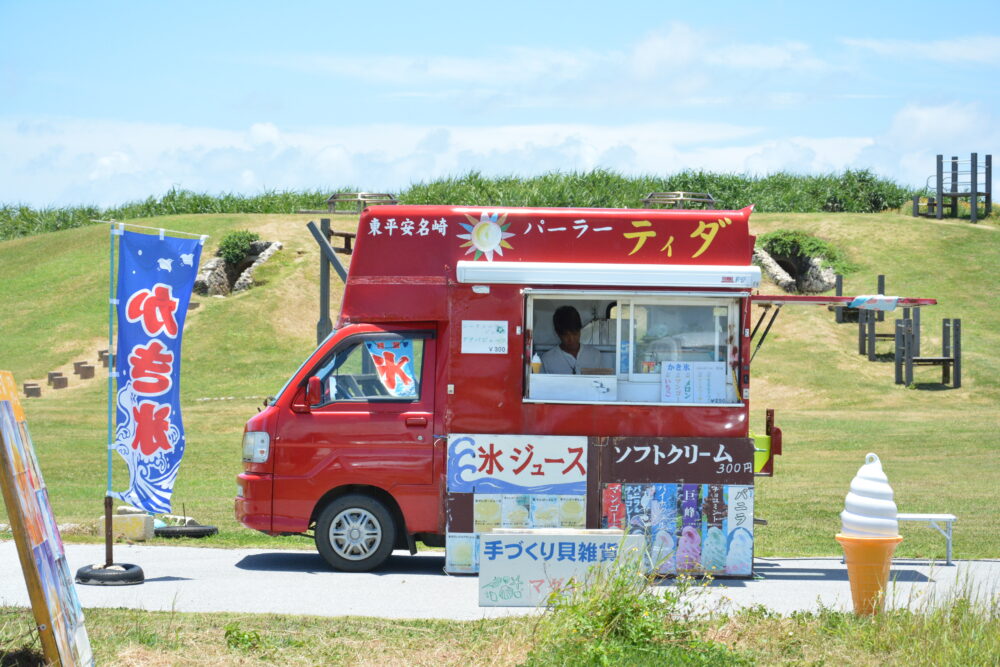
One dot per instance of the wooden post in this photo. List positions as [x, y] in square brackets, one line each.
[862, 321]
[871, 337]
[324, 326]
[906, 314]
[880, 314]
[989, 186]
[898, 352]
[946, 349]
[940, 187]
[908, 352]
[916, 331]
[974, 188]
[956, 329]
[838, 311]
[954, 185]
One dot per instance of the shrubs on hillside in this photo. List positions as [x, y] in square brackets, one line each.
[852, 191]
[793, 243]
[235, 246]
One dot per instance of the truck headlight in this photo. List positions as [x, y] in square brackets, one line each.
[256, 446]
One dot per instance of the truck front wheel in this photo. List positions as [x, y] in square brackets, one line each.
[355, 533]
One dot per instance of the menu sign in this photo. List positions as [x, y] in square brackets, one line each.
[655, 459]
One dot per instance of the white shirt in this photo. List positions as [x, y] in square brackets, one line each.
[559, 361]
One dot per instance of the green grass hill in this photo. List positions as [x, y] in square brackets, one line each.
[939, 446]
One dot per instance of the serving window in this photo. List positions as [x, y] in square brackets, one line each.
[678, 349]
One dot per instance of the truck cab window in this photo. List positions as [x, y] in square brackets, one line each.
[373, 368]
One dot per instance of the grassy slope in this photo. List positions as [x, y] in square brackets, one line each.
[938, 445]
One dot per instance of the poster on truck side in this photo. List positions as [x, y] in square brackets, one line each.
[511, 481]
[687, 528]
[550, 464]
[54, 602]
[525, 569]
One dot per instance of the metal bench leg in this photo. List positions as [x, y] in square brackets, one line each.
[948, 548]
[946, 532]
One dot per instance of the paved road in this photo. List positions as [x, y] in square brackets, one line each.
[299, 582]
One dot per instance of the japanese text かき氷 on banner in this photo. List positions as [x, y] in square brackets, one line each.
[155, 277]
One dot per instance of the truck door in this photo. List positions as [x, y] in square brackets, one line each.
[372, 426]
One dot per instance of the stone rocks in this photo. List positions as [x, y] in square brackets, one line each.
[817, 278]
[774, 270]
[260, 252]
[797, 274]
[212, 278]
[218, 278]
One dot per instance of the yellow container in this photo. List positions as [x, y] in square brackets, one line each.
[761, 451]
[135, 527]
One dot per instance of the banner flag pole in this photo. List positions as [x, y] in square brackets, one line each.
[115, 230]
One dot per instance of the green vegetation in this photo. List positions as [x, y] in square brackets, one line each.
[134, 637]
[852, 191]
[620, 618]
[833, 407]
[794, 243]
[855, 191]
[18, 220]
[235, 246]
[645, 627]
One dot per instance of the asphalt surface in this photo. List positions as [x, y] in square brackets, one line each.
[299, 582]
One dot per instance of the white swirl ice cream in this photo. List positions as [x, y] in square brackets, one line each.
[869, 510]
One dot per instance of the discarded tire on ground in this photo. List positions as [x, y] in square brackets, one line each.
[185, 531]
[116, 574]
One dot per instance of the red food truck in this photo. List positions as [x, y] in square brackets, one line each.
[524, 368]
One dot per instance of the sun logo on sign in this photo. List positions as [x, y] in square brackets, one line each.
[487, 235]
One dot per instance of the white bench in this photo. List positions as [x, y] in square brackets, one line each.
[935, 521]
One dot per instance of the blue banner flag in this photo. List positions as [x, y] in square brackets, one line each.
[155, 277]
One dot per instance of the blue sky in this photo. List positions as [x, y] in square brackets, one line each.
[105, 102]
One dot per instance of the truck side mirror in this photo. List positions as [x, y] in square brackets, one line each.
[314, 391]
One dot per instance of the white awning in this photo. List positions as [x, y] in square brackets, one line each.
[617, 275]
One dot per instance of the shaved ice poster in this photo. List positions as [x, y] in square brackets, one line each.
[689, 528]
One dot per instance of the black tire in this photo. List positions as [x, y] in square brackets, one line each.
[355, 533]
[186, 531]
[119, 574]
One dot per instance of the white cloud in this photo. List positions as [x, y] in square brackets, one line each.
[917, 133]
[679, 50]
[264, 133]
[669, 66]
[983, 50]
[70, 162]
[507, 66]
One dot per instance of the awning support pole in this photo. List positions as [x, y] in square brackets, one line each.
[763, 336]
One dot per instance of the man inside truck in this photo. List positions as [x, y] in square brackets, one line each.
[569, 357]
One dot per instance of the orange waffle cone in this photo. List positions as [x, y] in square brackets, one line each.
[868, 560]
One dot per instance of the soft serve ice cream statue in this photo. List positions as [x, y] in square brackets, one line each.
[869, 535]
[869, 510]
